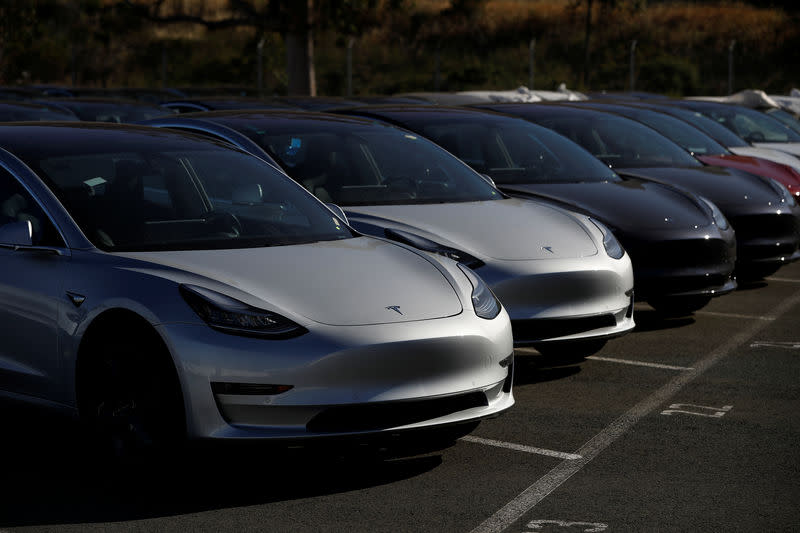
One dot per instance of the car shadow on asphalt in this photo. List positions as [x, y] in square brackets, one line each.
[531, 367]
[49, 479]
[651, 320]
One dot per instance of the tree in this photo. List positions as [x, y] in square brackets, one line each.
[17, 18]
[295, 20]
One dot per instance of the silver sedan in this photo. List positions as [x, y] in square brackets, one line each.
[565, 280]
[162, 285]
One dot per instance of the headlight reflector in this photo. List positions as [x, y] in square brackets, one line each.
[483, 300]
[229, 315]
[716, 214]
[786, 196]
[428, 245]
[613, 248]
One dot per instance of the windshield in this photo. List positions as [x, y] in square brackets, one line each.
[369, 164]
[203, 198]
[751, 125]
[34, 113]
[688, 137]
[706, 125]
[621, 142]
[787, 119]
[117, 113]
[516, 151]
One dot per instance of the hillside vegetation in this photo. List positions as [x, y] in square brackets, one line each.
[681, 49]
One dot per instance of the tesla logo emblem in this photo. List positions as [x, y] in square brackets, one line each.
[548, 248]
[395, 308]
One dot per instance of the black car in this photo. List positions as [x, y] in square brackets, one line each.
[117, 110]
[763, 213]
[220, 103]
[751, 125]
[14, 111]
[677, 265]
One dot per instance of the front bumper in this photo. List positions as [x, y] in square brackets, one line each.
[344, 380]
[564, 299]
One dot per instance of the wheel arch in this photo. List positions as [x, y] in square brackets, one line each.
[125, 325]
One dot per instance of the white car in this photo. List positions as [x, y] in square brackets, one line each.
[565, 281]
[162, 285]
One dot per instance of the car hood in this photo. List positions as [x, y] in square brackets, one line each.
[726, 187]
[768, 153]
[629, 204]
[792, 148]
[509, 229]
[346, 282]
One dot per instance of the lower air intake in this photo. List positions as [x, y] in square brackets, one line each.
[386, 415]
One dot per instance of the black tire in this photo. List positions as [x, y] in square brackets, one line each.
[676, 306]
[130, 399]
[571, 350]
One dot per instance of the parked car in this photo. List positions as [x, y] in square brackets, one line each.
[164, 285]
[681, 256]
[563, 277]
[753, 126]
[118, 110]
[702, 146]
[721, 134]
[763, 213]
[216, 103]
[19, 111]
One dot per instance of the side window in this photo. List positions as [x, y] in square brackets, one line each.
[17, 205]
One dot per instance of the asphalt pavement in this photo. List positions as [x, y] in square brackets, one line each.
[687, 424]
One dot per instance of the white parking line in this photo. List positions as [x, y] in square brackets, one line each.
[637, 363]
[776, 344]
[784, 280]
[545, 485]
[521, 448]
[734, 315]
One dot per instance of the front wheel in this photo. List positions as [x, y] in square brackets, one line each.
[675, 306]
[131, 401]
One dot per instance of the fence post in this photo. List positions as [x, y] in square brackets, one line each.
[531, 51]
[633, 65]
[260, 66]
[350, 42]
[730, 66]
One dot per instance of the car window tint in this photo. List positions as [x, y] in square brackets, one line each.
[372, 164]
[186, 200]
[621, 142]
[515, 151]
[17, 205]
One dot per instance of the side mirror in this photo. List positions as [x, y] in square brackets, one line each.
[488, 178]
[18, 233]
[338, 211]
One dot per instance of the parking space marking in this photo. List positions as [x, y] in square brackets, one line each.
[521, 448]
[586, 527]
[541, 488]
[734, 315]
[784, 280]
[637, 363]
[776, 344]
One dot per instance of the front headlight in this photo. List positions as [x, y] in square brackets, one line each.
[229, 315]
[483, 300]
[716, 214]
[781, 189]
[428, 245]
[613, 248]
